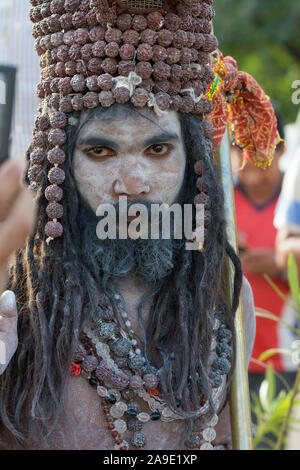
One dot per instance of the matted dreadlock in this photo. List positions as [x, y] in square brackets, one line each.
[57, 293]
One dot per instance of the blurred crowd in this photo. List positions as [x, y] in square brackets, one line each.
[268, 227]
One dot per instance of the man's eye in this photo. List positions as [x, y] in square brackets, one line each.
[159, 149]
[99, 152]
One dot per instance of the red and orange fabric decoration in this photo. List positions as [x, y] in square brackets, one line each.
[238, 100]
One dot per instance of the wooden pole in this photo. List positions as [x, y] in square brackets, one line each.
[241, 427]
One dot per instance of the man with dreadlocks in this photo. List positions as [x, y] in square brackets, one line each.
[122, 343]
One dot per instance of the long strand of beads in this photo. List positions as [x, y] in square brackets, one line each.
[118, 369]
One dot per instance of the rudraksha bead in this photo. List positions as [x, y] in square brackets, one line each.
[163, 101]
[75, 52]
[159, 53]
[121, 95]
[58, 120]
[161, 85]
[71, 5]
[105, 81]
[57, 137]
[161, 71]
[56, 156]
[65, 104]
[140, 97]
[147, 84]
[124, 22]
[86, 51]
[106, 98]
[66, 21]
[65, 86]
[92, 83]
[39, 140]
[90, 100]
[172, 22]
[55, 210]
[176, 72]
[144, 52]
[69, 38]
[54, 23]
[81, 36]
[42, 123]
[144, 69]
[131, 37]
[148, 36]
[37, 157]
[125, 67]
[165, 38]
[35, 173]
[139, 23]
[155, 20]
[53, 229]
[77, 102]
[113, 35]
[56, 175]
[53, 193]
[173, 55]
[79, 19]
[91, 18]
[180, 38]
[112, 49]
[78, 83]
[95, 65]
[98, 48]
[57, 6]
[97, 34]
[109, 65]
[127, 51]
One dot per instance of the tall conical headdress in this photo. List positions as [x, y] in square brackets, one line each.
[98, 52]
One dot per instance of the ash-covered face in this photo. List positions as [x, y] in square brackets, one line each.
[123, 152]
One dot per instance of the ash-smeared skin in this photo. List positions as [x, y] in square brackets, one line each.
[83, 426]
[131, 172]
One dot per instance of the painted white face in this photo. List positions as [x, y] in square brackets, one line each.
[127, 153]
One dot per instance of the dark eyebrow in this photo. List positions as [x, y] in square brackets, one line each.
[158, 139]
[93, 141]
[98, 141]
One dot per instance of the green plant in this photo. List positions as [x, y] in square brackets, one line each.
[274, 412]
[264, 38]
[270, 411]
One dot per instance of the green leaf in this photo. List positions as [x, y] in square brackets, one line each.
[270, 316]
[271, 352]
[271, 384]
[276, 288]
[293, 279]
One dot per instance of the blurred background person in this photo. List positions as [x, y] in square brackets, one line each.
[16, 48]
[287, 218]
[16, 213]
[256, 195]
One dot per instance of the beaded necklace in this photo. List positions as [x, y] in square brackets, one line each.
[108, 357]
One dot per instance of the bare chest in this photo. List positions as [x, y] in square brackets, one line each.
[83, 425]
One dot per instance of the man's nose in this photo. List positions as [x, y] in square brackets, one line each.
[132, 183]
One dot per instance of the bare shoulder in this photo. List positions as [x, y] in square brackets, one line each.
[223, 426]
[249, 316]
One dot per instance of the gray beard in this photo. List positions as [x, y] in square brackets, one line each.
[111, 259]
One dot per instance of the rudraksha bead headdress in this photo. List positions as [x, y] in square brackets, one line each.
[152, 53]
